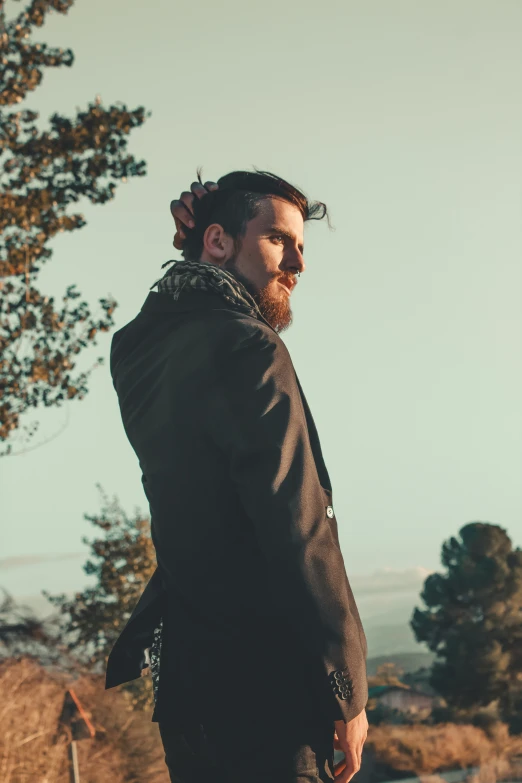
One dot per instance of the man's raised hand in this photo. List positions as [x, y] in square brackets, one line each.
[183, 212]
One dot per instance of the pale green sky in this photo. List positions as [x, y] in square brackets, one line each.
[406, 119]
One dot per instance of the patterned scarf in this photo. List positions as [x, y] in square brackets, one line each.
[206, 277]
[202, 277]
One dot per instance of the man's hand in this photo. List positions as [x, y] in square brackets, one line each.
[350, 738]
[182, 210]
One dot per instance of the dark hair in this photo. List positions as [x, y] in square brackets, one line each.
[237, 202]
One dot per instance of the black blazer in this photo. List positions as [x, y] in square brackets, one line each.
[250, 574]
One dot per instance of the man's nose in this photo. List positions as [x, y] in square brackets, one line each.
[295, 261]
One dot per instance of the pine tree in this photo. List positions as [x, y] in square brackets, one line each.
[473, 621]
[43, 174]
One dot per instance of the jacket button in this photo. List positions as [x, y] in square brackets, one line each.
[329, 511]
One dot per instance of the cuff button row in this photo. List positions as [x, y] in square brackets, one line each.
[342, 684]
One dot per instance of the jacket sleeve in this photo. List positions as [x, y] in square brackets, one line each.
[256, 418]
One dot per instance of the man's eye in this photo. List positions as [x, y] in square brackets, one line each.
[279, 237]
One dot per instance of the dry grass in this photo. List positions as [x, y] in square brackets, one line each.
[127, 747]
[428, 749]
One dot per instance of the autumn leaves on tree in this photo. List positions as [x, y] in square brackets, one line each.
[44, 174]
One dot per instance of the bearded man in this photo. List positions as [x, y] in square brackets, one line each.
[257, 651]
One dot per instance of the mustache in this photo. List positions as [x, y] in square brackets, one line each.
[291, 282]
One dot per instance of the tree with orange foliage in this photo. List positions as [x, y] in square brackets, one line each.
[43, 173]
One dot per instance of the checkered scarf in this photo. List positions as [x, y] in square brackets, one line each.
[206, 277]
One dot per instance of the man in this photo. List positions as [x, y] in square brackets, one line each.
[257, 649]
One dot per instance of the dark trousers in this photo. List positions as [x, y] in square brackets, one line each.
[247, 718]
[277, 751]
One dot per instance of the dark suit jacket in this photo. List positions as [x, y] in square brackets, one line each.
[251, 582]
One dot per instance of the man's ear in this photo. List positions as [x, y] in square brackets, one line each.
[218, 246]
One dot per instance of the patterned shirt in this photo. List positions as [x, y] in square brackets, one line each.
[155, 652]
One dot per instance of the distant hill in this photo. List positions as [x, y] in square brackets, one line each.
[407, 661]
[391, 639]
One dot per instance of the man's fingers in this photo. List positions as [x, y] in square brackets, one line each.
[179, 238]
[180, 211]
[200, 190]
[345, 770]
[183, 207]
[188, 199]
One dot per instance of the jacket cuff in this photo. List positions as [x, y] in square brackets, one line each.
[350, 698]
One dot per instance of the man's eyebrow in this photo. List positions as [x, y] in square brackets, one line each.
[276, 230]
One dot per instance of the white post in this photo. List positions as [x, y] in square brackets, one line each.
[75, 769]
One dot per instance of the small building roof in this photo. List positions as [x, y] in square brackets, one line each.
[379, 690]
